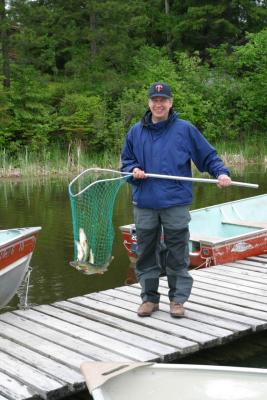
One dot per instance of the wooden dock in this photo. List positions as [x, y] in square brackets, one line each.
[41, 349]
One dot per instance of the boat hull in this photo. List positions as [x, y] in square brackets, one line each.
[207, 253]
[219, 234]
[16, 250]
[183, 382]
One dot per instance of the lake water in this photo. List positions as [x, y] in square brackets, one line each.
[45, 202]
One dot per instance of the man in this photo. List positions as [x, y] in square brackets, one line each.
[162, 143]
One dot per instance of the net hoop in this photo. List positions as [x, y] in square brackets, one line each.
[93, 183]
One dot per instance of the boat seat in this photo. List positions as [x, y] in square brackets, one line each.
[253, 224]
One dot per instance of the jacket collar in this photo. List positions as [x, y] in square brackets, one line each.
[146, 121]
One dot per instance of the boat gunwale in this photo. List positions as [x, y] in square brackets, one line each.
[127, 229]
[231, 238]
[198, 367]
[229, 202]
[25, 232]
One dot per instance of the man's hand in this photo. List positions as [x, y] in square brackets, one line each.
[138, 173]
[223, 181]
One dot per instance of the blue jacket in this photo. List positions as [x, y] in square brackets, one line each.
[167, 148]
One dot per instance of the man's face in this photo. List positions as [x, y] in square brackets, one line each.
[160, 107]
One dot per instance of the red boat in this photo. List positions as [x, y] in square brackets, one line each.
[16, 249]
[219, 234]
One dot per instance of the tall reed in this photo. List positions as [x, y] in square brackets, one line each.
[57, 160]
[252, 151]
[54, 161]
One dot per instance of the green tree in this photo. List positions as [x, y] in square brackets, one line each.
[30, 110]
[197, 25]
[250, 62]
[4, 39]
[239, 87]
[87, 38]
[81, 121]
[80, 68]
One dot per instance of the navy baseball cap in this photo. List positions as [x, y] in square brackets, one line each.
[159, 89]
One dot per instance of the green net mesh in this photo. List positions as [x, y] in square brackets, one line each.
[92, 197]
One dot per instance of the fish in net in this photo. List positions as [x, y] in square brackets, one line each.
[92, 196]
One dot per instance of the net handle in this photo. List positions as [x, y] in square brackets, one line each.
[204, 180]
[173, 177]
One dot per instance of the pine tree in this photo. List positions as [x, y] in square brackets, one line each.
[4, 44]
[208, 23]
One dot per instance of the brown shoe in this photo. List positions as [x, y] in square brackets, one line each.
[176, 309]
[147, 308]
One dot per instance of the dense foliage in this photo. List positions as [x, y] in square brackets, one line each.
[75, 72]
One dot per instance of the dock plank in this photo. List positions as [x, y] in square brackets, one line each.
[87, 335]
[217, 308]
[250, 304]
[57, 352]
[208, 308]
[224, 303]
[243, 269]
[2, 397]
[261, 258]
[214, 320]
[240, 274]
[228, 283]
[257, 283]
[184, 345]
[220, 333]
[244, 285]
[260, 317]
[63, 339]
[48, 366]
[107, 330]
[41, 383]
[257, 264]
[164, 343]
[157, 320]
[228, 289]
[12, 389]
[236, 313]
[247, 267]
[41, 348]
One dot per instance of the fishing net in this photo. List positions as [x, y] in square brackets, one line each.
[92, 197]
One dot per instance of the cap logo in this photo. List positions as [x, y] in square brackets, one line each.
[159, 88]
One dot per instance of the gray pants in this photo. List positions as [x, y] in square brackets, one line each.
[149, 224]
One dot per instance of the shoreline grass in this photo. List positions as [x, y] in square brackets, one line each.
[54, 162]
[236, 153]
[58, 162]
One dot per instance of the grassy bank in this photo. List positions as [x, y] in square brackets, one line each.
[236, 153]
[54, 162]
[58, 162]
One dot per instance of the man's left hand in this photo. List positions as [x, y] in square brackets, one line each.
[223, 181]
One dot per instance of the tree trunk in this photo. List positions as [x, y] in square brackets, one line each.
[167, 7]
[93, 29]
[4, 42]
[168, 36]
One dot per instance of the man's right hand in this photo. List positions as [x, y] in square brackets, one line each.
[138, 173]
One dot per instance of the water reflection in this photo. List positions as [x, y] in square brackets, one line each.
[45, 202]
